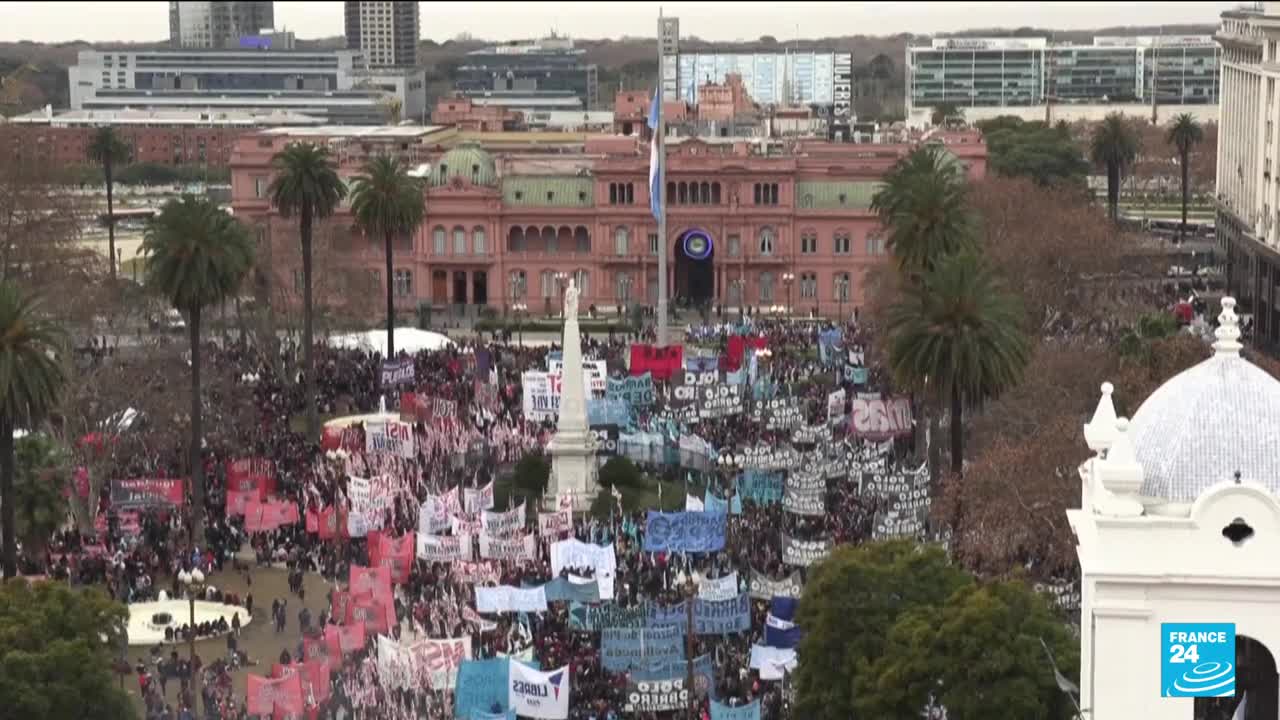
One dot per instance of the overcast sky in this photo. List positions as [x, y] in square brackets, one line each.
[149, 21]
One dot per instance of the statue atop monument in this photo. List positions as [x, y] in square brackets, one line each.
[571, 300]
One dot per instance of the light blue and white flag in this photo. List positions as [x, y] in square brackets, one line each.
[655, 175]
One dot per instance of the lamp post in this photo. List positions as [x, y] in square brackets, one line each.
[520, 309]
[194, 583]
[787, 279]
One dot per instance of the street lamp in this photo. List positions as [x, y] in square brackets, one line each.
[519, 308]
[194, 583]
[787, 279]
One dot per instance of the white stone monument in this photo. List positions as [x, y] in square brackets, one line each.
[573, 461]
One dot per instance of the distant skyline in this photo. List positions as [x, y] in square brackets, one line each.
[149, 21]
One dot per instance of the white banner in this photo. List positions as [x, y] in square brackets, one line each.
[574, 553]
[391, 437]
[835, 406]
[506, 598]
[477, 499]
[693, 504]
[395, 664]
[554, 523]
[503, 524]
[438, 660]
[719, 589]
[433, 518]
[595, 372]
[444, 548]
[542, 695]
[519, 549]
[461, 525]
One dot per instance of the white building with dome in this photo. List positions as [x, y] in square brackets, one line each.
[1180, 523]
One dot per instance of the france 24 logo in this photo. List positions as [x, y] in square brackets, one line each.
[1197, 659]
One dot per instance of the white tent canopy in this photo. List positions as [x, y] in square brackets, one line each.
[409, 340]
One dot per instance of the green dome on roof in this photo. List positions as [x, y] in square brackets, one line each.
[468, 161]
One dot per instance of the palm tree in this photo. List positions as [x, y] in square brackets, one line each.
[31, 378]
[1114, 145]
[924, 207]
[107, 149]
[958, 335]
[386, 201]
[306, 185]
[1184, 134]
[195, 256]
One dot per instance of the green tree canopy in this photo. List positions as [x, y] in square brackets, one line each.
[924, 205]
[56, 646]
[1047, 155]
[532, 473]
[620, 472]
[40, 471]
[978, 654]
[849, 601]
[1114, 146]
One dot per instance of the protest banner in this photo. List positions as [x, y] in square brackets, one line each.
[540, 403]
[811, 434]
[265, 516]
[892, 485]
[465, 525]
[767, 457]
[505, 598]
[520, 548]
[605, 438]
[282, 695]
[395, 553]
[854, 374]
[503, 524]
[804, 502]
[554, 524]
[603, 411]
[637, 391]
[481, 685]
[594, 618]
[652, 696]
[804, 552]
[877, 418]
[661, 362]
[781, 413]
[704, 684]
[572, 589]
[595, 372]
[684, 532]
[478, 499]
[390, 437]
[397, 372]
[626, 648]
[721, 588]
[254, 473]
[436, 661]
[474, 572]
[433, 518]
[750, 711]
[763, 587]
[760, 487]
[835, 406]
[892, 524]
[710, 617]
[1065, 594]
[443, 548]
[141, 493]
[430, 410]
[713, 504]
[537, 694]
[395, 664]
[719, 401]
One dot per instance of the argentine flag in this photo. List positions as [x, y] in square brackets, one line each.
[654, 179]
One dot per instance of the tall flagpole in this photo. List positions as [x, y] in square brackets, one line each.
[660, 139]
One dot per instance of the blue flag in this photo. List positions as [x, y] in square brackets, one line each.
[655, 174]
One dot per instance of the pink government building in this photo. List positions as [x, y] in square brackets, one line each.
[510, 217]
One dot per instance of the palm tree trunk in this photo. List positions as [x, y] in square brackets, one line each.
[391, 308]
[1113, 190]
[957, 432]
[197, 462]
[308, 367]
[935, 446]
[111, 216]
[7, 500]
[1186, 194]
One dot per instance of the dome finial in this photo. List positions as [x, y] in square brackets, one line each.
[1228, 332]
[1100, 430]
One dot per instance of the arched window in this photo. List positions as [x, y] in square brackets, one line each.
[767, 238]
[808, 241]
[549, 241]
[808, 286]
[622, 286]
[671, 193]
[459, 241]
[404, 283]
[548, 284]
[715, 193]
[844, 287]
[735, 291]
[682, 191]
[621, 236]
[766, 287]
[519, 285]
[478, 241]
[515, 239]
[704, 193]
[840, 241]
[580, 278]
[581, 240]
[631, 193]
[613, 193]
[437, 240]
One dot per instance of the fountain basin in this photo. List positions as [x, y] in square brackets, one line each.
[148, 620]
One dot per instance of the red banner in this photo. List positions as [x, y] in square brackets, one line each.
[375, 581]
[394, 553]
[368, 611]
[237, 500]
[313, 521]
[738, 345]
[314, 648]
[130, 523]
[345, 438]
[427, 409]
[251, 474]
[147, 493]
[267, 696]
[267, 516]
[332, 523]
[342, 639]
[661, 362]
[314, 674]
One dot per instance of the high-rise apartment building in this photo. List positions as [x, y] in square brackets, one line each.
[215, 25]
[386, 32]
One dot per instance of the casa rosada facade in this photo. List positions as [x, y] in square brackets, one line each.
[509, 223]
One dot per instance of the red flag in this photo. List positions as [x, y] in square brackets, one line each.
[237, 500]
[266, 696]
[396, 554]
[343, 639]
[377, 581]
[313, 522]
[315, 649]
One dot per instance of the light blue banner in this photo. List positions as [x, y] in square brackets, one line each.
[703, 671]
[508, 715]
[762, 487]
[711, 503]
[637, 390]
[561, 590]
[608, 412]
[701, 363]
[742, 712]
[829, 342]
[482, 685]
[633, 648]
[594, 618]
[710, 617]
[684, 532]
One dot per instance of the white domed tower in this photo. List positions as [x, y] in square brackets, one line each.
[1180, 523]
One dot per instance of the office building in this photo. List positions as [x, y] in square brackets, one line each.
[774, 78]
[333, 85]
[216, 24]
[1247, 222]
[1019, 76]
[788, 224]
[385, 32]
[520, 75]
